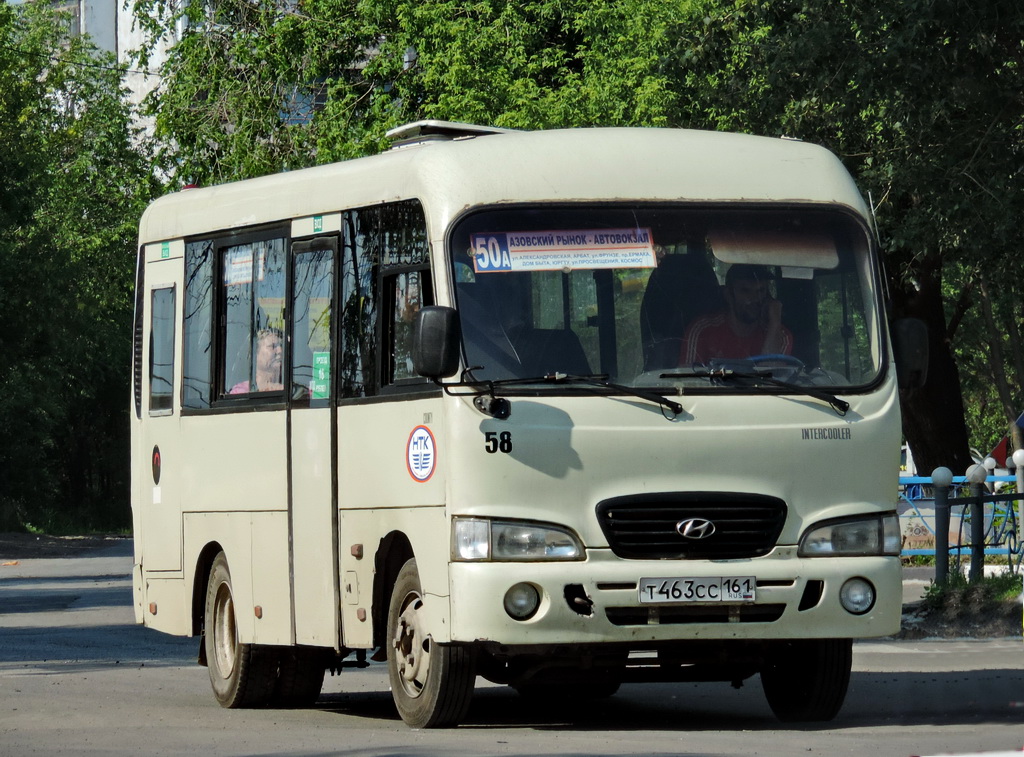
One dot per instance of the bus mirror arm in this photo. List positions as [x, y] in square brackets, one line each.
[484, 398]
[435, 342]
[496, 407]
[435, 355]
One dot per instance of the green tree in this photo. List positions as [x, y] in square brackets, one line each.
[985, 331]
[253, 90]
[75, 184]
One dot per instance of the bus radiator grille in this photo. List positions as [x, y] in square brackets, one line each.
[650, 526]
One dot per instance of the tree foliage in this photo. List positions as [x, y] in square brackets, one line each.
[75, 183]
[922, 99]
[265, 87]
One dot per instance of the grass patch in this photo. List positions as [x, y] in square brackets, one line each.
[958, 596]
[918, 561]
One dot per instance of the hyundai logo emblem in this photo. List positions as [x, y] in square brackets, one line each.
[695, 528]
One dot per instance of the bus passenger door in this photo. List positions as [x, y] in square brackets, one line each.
[312, 507]
[160, 494]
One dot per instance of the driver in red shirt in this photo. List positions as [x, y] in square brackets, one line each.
[750, 325]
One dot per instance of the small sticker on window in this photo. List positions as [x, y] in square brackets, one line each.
[320, 385]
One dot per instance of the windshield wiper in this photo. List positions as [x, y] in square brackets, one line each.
[600, 379]
[756, 380]
[487, 401]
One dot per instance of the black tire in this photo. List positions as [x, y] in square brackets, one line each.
[300, 677]
[432, 684]
[806, 681]
[242, 675]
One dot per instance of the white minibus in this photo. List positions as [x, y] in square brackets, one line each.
[563, 410]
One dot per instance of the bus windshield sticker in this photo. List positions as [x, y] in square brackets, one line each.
[506, 252]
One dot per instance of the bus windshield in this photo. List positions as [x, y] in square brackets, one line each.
[667, 296]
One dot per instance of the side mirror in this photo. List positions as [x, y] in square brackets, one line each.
[435, 342]
[910, 348]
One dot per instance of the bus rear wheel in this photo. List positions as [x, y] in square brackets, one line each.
[242, 675]
[432, 684]
[806, 681]
[300, 678]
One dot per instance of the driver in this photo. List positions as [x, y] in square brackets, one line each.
[750, 325]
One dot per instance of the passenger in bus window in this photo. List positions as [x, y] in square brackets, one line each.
[269, 347]
[750, 325]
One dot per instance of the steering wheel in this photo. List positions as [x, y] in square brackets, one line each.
[787, 360]
[789, 367]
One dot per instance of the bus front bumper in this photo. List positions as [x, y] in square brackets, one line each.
[597, 601]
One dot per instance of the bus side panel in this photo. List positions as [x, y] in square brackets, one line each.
[159, 454]
[391, 454]
[233, 532]
[259, 578]
[167, 607]
[313, 554]
[271, 588]
[392, 465]
[234, 462]
[427, 531]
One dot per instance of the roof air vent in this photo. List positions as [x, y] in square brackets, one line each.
[419, 132]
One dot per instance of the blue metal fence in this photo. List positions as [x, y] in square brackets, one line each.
[1000, 511]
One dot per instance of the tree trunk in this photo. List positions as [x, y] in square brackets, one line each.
[997, 361]
[933, 416]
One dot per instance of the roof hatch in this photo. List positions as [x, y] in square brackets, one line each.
[419, 132]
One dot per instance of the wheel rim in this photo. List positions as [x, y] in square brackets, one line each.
[224, 639]
[411, 647]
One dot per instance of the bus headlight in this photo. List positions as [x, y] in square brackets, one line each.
[496, 540]
[874, 535]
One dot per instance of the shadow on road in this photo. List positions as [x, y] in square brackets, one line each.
[967, 698]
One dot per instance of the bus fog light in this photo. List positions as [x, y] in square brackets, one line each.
[857, 596]
[522, 601]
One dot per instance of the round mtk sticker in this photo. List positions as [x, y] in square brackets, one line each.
[421, 454]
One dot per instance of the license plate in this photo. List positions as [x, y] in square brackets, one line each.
[707, 589]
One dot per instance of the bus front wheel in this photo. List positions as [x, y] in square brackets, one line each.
[807, 680]
[432, 684]
[242, 675]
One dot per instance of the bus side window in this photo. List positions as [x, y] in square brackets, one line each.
[253, 311]
[407, 293]
[161, 352]
[311, 324]
[381, 244]
[197, 391]
[358, 306]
